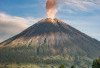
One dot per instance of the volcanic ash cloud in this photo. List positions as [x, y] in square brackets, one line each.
[50, 6]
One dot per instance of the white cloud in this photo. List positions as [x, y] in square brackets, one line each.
[83, 5]
[12, 25]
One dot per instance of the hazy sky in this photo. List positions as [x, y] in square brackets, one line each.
[17, 15]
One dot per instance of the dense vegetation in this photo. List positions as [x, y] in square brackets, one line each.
[96, 63]
[14, 61]
[36, 55]
[62, 66]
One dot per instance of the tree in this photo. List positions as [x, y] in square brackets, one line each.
[72, 66]
[62, 66]
[96, 63]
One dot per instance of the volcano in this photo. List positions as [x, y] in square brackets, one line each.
[50, 41]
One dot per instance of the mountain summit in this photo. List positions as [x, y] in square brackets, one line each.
[49, 41]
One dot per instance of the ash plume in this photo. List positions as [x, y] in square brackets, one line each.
[50, 6]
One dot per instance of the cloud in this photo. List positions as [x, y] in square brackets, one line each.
[80, 5]
[12, 25]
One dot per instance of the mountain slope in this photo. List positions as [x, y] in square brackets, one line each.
[47, 39]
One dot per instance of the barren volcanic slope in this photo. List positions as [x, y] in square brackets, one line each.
[50, 41]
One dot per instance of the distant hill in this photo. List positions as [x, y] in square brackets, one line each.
[50, 41]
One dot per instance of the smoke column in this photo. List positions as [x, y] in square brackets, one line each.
[50, 6]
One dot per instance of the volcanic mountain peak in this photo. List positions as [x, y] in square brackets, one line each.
[47, 38]
[46, 26]
[55, 20]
